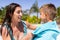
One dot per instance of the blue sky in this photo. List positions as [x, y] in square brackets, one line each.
[26, 4]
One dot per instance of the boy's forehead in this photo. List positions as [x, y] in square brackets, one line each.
[42, 12]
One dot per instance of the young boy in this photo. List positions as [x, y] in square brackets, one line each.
[48, 30]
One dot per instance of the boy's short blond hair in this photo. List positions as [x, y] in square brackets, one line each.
[50, 9]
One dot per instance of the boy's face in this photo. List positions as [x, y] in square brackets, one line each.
[43, 16]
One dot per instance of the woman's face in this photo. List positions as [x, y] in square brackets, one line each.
[17, 15]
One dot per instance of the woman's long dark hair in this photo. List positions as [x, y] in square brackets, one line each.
[9, 11]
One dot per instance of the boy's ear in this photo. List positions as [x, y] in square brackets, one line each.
[47, 16]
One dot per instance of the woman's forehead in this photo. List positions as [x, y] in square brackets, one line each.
[18, 8]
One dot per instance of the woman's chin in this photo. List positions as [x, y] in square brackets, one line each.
[19, 20]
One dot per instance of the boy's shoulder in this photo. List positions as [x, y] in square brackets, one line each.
[49, 25]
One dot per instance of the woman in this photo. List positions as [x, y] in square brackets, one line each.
[13, 28]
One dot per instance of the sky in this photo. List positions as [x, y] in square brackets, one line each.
[27, 4]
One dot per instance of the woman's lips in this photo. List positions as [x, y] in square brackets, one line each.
[19, 17]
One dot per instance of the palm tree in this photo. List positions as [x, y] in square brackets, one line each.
[58, 11]
[2, 13]
[58, 15]
[26, 11]
[35, 8]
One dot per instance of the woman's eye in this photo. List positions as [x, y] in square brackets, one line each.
[19, 12]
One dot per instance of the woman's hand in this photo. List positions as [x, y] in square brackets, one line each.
[5, 35]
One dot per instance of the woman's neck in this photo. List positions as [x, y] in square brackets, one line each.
[18, 25]
[15, 24]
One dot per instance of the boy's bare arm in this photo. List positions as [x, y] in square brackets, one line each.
[30, 26]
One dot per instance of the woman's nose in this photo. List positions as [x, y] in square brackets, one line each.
[20, 13]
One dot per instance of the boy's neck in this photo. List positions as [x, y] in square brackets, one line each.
[50, 21]
[46, 21]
